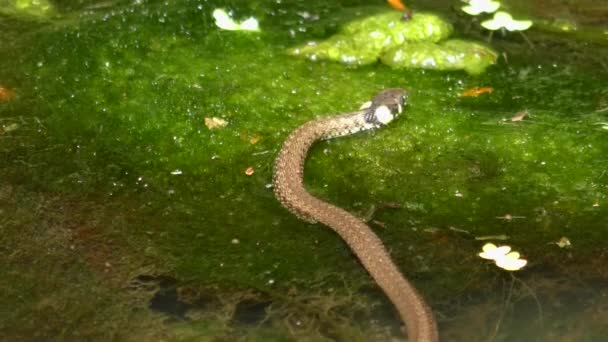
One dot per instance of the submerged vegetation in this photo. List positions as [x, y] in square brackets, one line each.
[137, 140]
[27, 8]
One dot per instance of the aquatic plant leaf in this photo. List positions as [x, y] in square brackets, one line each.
[454, 54]
[361, 41]
[391, 26]
[37, 8]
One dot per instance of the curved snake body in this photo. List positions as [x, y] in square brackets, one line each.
[290, 191]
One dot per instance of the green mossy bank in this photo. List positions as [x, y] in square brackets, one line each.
[123, 216]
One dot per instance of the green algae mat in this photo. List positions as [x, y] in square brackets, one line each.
[137, 140]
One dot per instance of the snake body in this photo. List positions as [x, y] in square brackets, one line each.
[288, 182]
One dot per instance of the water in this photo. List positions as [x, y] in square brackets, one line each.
[123, 216]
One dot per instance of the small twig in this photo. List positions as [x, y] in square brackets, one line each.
[536, 300]
[502, 313]
[527, 40]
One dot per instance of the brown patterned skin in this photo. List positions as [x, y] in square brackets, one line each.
[290, 191]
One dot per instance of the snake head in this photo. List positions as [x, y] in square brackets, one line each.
[385, 106]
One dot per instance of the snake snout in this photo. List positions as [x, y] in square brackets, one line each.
[404, 98]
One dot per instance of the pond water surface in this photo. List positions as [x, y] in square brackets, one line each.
[125, 215]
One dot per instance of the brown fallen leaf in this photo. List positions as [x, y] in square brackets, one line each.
[474, 92]
[254, 139]
[6, 94]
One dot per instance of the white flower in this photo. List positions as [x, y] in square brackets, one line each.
[476, 7]
[251, 24]
[491, 252]
[511, 262]
[502, 257]
[223, 21]
[503, 19]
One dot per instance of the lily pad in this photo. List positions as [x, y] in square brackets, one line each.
[362, 41]
[453, 54]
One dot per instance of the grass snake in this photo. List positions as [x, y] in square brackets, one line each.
[288, 183]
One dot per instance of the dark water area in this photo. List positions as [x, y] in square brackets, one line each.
[137, 141]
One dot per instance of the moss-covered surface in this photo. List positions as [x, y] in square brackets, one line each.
[122, 216]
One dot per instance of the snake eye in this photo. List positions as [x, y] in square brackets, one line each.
[401, 102]
[403, 99]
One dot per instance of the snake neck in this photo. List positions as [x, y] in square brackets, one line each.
[288, 178]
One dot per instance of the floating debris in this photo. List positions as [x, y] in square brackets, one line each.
[492, 237]
[563, 242]
[474, 92]
[6, 94]
[8, 128]
[458, 230]
[214, 122]
[519, 116]
[397, 4]
[254, 139]
[509, 217]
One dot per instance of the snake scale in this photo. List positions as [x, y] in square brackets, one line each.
[288, 183]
